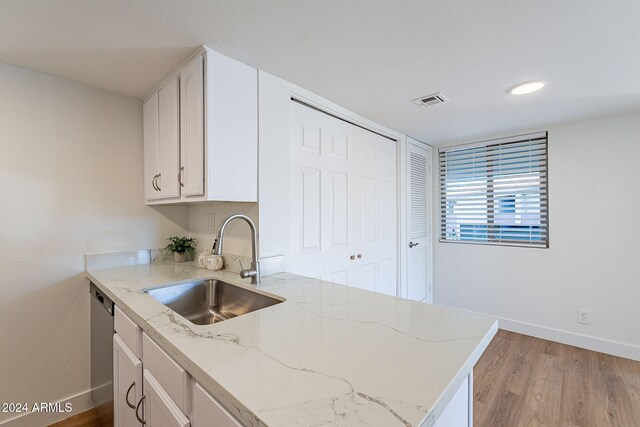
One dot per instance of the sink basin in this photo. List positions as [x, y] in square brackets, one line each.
[205, 302]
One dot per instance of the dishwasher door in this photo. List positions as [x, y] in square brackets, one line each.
[102, 355]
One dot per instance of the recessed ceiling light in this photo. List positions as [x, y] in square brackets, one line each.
[526, 87]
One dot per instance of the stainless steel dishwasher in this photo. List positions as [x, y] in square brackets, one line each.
[102, 355]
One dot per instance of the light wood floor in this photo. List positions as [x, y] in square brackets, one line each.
[522, 381]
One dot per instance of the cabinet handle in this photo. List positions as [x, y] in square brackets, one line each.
[352, 257]
[359, 256]
[411, 244]
[141, 420]
[158, 185]
[126, 396]
[180, 176]
[153, 182]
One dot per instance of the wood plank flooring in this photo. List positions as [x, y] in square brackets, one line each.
[84, 419]
[521, 381]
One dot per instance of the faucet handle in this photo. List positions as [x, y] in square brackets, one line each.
[245, 274]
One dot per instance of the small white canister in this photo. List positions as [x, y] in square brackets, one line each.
[214, 262]
[202, 259]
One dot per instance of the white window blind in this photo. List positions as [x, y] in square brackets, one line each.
[495, 192]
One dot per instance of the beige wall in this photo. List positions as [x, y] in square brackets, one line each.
[237, 238]
[71, 183]
[592, 261]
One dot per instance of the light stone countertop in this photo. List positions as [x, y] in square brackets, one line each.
[328, 355]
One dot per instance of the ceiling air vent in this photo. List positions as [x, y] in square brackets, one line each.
[431, 100]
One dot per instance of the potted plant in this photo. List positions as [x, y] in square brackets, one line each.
[181, 247]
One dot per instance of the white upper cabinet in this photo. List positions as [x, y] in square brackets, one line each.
[201, 133]
[162, 142]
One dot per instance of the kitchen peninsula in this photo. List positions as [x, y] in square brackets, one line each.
[328, 355]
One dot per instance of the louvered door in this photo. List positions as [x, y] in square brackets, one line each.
[419, 191]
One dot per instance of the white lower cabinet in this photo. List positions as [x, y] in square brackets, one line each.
[156, 391]
[208, 412]
[127, 384]
[159, 409]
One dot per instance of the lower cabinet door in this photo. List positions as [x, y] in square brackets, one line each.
[159, 409]
[208, 412]
[127, 384]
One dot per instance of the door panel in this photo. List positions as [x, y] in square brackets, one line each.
[344, 203]
[310, 209]
[339, 201]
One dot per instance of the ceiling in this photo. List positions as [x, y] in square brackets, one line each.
[370, 56]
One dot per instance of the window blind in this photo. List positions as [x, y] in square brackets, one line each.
[495, 192]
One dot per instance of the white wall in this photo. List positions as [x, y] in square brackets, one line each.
[593, 259]
[71, 183]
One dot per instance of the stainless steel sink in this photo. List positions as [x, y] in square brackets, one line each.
[211, 301]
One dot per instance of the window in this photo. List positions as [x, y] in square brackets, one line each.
[495, 192]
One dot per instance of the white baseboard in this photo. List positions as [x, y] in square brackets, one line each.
[601, 345]
[80, 402]
[614, 348]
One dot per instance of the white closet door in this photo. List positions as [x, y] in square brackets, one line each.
[374, 219]
[343, 188]
[419, 286]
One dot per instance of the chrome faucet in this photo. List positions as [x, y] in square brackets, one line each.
[254, 271]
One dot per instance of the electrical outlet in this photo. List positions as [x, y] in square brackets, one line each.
[584, 316]
[211, 221]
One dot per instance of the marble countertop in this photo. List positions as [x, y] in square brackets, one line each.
[328, 355]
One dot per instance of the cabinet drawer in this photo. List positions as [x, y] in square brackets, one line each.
[129, 332]
[171, 376]
[159, 409]
[208, 411]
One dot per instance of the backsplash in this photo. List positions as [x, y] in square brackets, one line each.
[232, 262]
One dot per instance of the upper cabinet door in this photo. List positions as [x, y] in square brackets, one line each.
[151, 147]
[192, 128]
[169, 137]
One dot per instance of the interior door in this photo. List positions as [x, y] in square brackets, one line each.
[127, 384]
[192, 128]
[419, 191]
[343, 188]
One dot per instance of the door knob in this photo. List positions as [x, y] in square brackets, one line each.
[352, 257]
[411, 244]
[359, 256]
